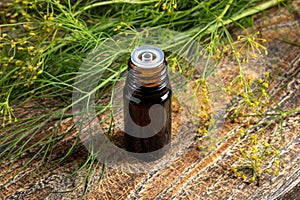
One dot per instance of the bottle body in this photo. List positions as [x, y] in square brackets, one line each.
[147, 99]
[136, 111]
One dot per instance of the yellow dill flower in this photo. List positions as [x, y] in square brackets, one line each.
[30, 48]
[164, 6]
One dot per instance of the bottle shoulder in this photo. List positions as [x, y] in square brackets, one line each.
[147, 96]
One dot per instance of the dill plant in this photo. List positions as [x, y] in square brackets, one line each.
[43, 44]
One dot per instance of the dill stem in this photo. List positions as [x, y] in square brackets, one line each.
[113, 2]
[251, 11]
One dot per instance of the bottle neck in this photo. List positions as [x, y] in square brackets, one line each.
[154, 79]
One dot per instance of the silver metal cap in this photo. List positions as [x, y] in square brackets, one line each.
[147, 57]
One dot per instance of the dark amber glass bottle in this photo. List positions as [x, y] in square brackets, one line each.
[147, 102]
